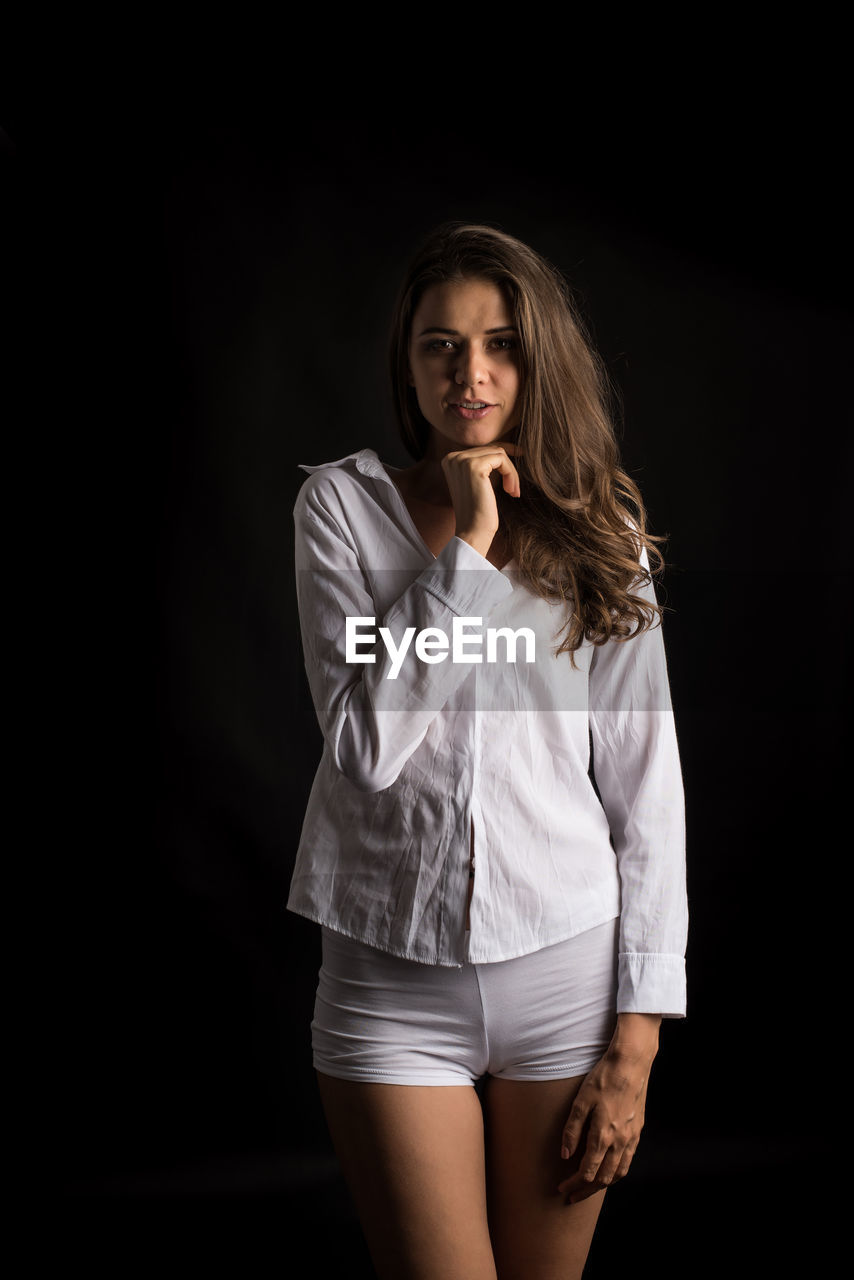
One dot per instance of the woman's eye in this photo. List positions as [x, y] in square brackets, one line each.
[443, 345]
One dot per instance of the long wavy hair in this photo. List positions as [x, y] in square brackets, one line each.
[579, 528]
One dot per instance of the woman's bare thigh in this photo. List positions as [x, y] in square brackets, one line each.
[535, 1234]
[413, 1157]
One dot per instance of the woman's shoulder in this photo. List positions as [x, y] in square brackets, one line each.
[334, 487]
[342, 474]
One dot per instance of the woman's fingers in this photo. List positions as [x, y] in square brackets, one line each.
[581, 1109]
[474, 465]
[587, 1177]
[600, 1168]
[510, 476]
[625, 1161]
[613, 1163]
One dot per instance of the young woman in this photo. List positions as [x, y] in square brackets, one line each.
[473, 627]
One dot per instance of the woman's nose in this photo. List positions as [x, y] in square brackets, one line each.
[471, 368]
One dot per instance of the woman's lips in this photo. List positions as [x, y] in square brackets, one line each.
[471, 415]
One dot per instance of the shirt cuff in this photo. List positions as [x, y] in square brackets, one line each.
[464, 580]
[651, 983]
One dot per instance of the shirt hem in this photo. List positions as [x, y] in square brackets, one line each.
[370, 940]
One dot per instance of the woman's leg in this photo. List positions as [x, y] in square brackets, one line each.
[413, 1157]
[535, 1235]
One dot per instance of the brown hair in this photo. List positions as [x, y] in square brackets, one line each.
[578, 530]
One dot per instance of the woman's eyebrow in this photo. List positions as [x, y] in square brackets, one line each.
[502, 328]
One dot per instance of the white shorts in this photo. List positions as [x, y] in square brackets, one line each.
[547, 1015]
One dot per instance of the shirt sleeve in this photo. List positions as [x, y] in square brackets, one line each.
[638, 775]
[371, 722]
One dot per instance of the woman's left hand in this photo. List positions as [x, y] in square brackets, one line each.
[610, 1104]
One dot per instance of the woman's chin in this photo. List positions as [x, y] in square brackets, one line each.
[471, 436]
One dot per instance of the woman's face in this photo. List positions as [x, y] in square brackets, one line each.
[464, 364]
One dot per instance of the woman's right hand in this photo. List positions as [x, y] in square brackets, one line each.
[468, 473]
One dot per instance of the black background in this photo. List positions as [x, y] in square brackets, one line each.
[218, 297]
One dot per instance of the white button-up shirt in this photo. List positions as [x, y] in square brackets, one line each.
[446, 734]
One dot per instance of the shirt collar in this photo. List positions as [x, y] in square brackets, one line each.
[365, 461]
